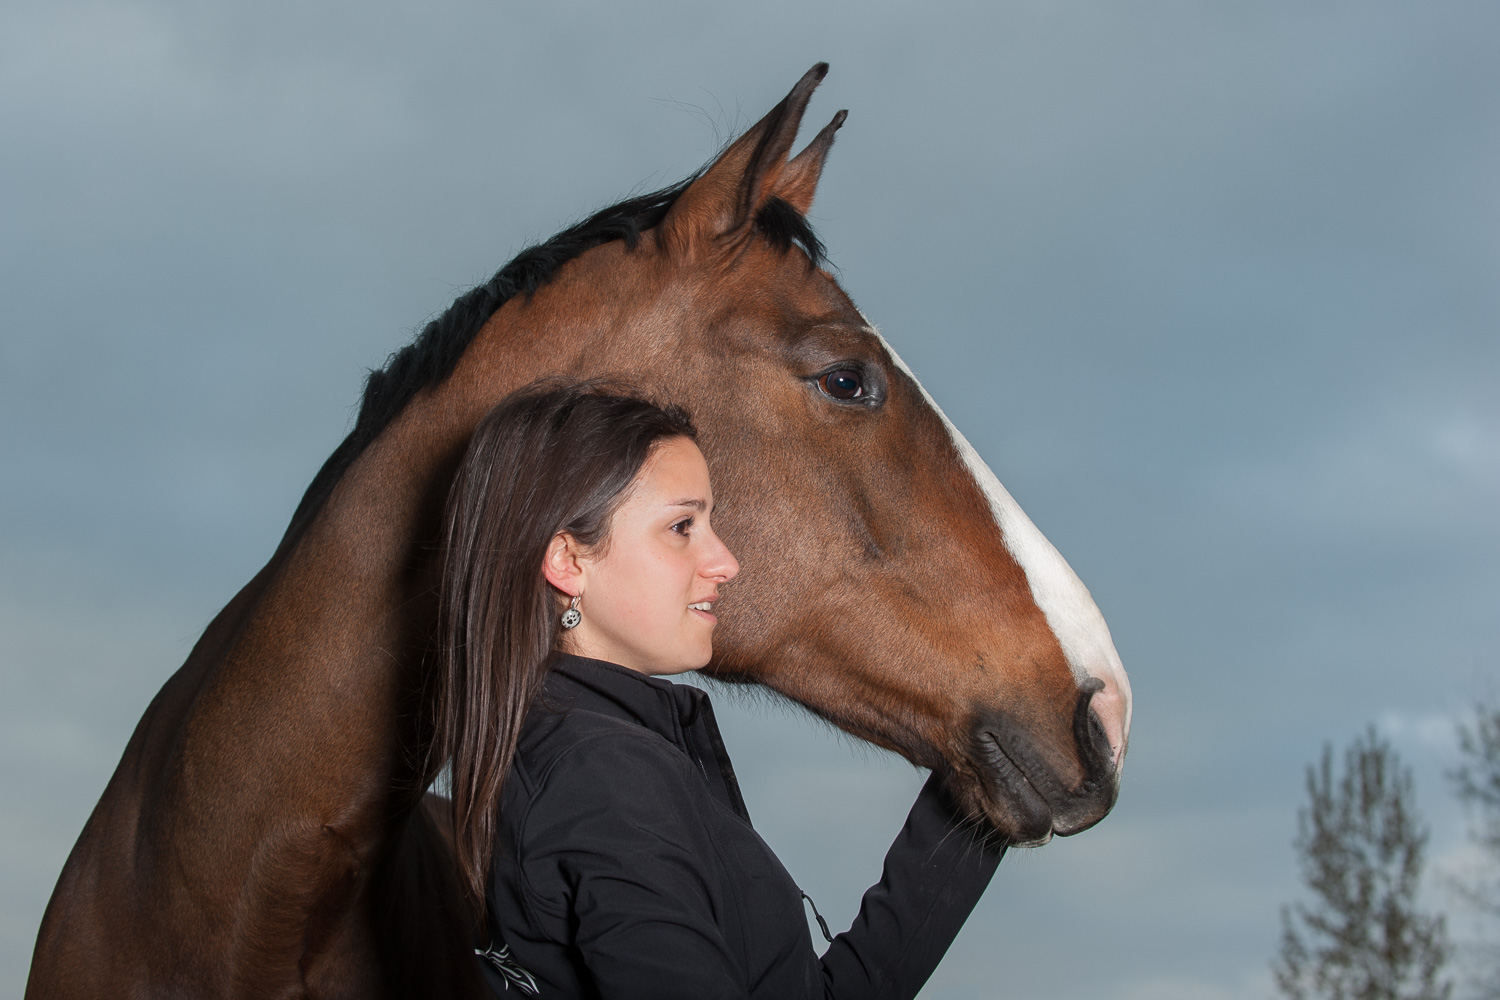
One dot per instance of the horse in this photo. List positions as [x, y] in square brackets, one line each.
[265, 833]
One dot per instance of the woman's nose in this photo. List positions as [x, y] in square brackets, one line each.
[722, 563]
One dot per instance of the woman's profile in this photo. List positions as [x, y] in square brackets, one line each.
[596, 814]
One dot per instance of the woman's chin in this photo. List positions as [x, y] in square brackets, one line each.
[698, 659]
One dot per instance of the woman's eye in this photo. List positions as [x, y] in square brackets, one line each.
[681, 527]
[842, 384]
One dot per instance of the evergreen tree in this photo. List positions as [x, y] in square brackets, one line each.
[1477, 783]
[1360, 844]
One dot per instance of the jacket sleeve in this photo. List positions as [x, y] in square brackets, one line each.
[935, 871]
[631, 856]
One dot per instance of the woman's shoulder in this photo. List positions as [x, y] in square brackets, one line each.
[603, 784]
[580, 747]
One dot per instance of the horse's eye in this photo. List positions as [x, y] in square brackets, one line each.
[842, 384]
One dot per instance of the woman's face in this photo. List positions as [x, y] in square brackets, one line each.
[647, 598]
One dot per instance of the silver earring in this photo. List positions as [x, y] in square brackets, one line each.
[572, 616]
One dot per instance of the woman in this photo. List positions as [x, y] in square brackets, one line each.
[596, 813]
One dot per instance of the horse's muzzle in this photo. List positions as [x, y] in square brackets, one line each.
[1027, 799]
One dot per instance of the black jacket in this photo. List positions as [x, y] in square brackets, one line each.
[625, 865]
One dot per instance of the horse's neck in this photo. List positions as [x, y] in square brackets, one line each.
[264, 778]
[261, 780]
[353, 591]
[303, 695]
[332, 647]
[328, 654]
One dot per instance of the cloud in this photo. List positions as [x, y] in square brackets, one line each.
[1433, 732]
[1423, 465]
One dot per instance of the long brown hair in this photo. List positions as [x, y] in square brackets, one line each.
[552, 456]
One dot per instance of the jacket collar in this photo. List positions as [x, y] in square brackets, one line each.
[679, 713]
[610, 689]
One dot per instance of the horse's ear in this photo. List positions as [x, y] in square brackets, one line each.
[725, 198]
[799, 181]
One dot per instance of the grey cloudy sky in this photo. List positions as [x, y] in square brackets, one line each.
[1212, 287]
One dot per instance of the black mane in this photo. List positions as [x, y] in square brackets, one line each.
[780, 222]
[433, 355]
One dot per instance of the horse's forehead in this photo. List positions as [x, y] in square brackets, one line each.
[813, 306]
[766, 281]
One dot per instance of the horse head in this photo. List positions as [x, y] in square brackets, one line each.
[891, 584]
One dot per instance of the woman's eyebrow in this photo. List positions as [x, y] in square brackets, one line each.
[695, 503]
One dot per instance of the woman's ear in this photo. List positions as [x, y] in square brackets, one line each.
[563, 565]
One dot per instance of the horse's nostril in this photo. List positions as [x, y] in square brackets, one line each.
[1107, 711]
[1100, 737]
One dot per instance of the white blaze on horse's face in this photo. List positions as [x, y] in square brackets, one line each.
[1072, 615]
